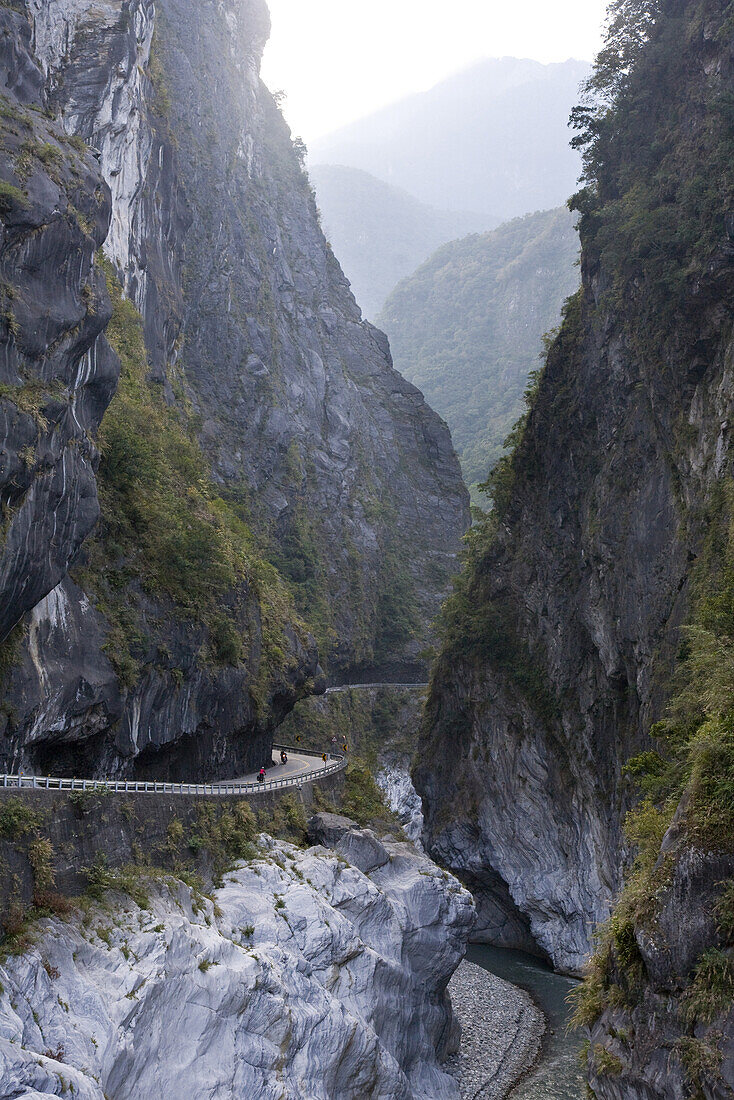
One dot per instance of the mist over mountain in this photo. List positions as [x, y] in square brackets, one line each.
[493, 138]
[381, 233]
[467, 326]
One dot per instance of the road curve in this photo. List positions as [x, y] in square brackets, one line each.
[303, 767]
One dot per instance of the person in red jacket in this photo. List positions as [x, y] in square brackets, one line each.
[261, 775]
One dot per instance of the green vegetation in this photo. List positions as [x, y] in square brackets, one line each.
[30, 397]
[164, 530]
[476, 625]
[696, 739]
[725, 912]
[157, 74]
[25, 828]
[467, 327]
[199, 849]
[226, 834]
[11, 196]
[18, 819]
[696, 756]
[711, 992]
[397, 619]
[479, 628]
[701, 1062]
[46, 152]
[658, 183]
[379, 233]
[605, 1062]
[363, 800]
[385, 619]
[130, 880]
[616, 973]
[657, 157]
[301, 556]
[287, 820]
[373, 724]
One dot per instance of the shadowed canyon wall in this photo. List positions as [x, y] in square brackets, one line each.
[267, 481]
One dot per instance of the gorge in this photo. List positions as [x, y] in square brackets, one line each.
[219, 496]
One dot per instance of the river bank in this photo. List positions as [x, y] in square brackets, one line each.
[502, 1033]
[556, 1074]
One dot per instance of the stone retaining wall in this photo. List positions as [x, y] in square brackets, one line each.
[162, 830]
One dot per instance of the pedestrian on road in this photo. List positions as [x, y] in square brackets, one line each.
[261, 775]
[283, 756]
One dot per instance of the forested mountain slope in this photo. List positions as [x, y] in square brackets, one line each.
[467, 326]
[380, 233]
[597, 599]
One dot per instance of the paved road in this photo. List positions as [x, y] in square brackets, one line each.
[298, 765]
[365, 687]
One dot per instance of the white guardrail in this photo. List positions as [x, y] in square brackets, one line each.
[335, 763]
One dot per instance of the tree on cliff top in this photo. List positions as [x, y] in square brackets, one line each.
[630, 24]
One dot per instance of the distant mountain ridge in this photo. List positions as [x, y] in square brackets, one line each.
[380, 233]
[467, 326]
[493, 138]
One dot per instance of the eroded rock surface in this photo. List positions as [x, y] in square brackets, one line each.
[562, 649]
[657, 1047]
[57, 373]
[307, 975]
[252, 334]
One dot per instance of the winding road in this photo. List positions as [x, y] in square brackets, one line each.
[303, 766]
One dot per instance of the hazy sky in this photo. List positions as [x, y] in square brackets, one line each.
[340, 59]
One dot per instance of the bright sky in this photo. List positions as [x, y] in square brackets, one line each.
[338, 60]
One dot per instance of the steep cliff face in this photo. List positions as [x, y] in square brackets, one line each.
[129, 673]
[665, 1023]
[319, 973]
[339, 460]
[100, 80]
[282, 435]
[564, 629]
[57, 373]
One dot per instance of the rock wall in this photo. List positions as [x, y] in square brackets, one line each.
[560, 644]
[318, 972]
[339, 459]
[662, 1043]
[253, 338]
[79, 828]
[57, 373]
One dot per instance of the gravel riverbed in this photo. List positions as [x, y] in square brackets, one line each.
[502, 1032]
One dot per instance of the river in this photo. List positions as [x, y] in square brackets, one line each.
[557, 1075]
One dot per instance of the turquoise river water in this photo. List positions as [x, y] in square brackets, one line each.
[557, 1076]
